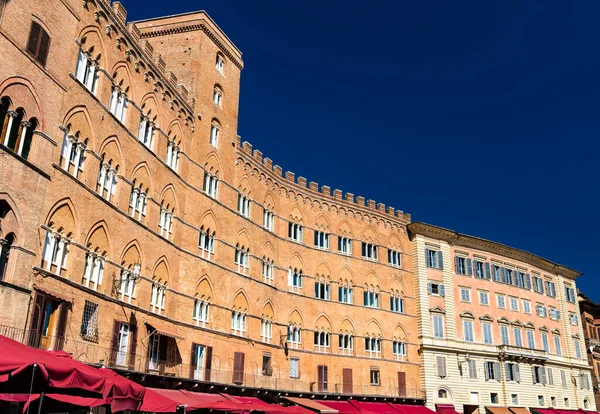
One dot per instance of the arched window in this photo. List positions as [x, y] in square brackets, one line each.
[127, 282]
[118, 103]
[146, 131]
[242, 258]
[214, 134]
[165, 221]
[442, 394]
[137, 201]
[295, 279]
[87, 70]
[371, 297]
[107, 180]
[173, 154]
[346, 344]
[373, 346]
[39, 43]
[73, 153]
[396, 302]
[217, 95]
[345, 291]
[220, 63]
[321, 341]
[201, 309]
[5, 245]
[267, 270]
[294, 336]
[206, 242]
[322, 288]
[17, 133]
[210, 184]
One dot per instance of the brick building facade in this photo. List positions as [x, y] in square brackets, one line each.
[140, 233]
[590, 319]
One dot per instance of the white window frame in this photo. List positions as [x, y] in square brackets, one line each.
[238, 323]
[201, 312]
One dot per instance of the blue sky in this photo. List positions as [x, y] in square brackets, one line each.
[478, 116]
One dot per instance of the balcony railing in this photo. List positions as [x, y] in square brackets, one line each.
[92, 353]
[518, 351]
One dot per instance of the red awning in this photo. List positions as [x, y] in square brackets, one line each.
[254, 404]
[199, 400]
[294, 409]
[312, 405]
[544, 410]
[343, 407]
[161, 330]
[54, 402]
[374, 407]
[445, 408]
[158, 403]
[20, 363]
[412, 409]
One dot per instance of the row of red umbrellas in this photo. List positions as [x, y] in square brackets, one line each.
[53, 379]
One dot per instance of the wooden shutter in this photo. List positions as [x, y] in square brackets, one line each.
[34, 37]
[440, 258]
[347, 380]
[114, 344]
[469, 267]
[497, 373]
[322, 378]
[401, 383]
[62, 326]
[133, 346]
[36, 319]
[238, 367]
[487, 271]
[42, 53]
[193, 359]
[207, 363]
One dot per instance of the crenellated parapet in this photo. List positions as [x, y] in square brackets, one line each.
[287, 182]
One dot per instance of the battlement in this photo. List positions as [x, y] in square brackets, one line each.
[301, 184]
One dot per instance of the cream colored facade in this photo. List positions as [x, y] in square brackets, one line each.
[454, 364]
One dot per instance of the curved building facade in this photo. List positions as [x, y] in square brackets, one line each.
[140, 233]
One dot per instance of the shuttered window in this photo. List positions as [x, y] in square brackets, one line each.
[347, 380]
[39, 43]
[401, 383]
[238, 367]
[441, 366]
[322, 378]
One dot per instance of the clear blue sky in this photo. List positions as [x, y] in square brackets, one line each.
[478, 116]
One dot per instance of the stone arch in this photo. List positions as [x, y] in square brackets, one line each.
[149, 106]
[98, 239]
[347, 326]
[204, 290]
[243, 239]
[369, 234]
[323, 323]
[267, 311]
[161, 273]
[10, 218]
[467, 315]
[296, 262]
[269, 202]
[168, 198]
[397, 285]
[212, 165]
[62, 218]
[140, 176]
[132, 255]
[447, 392]
[240, 302]
[91, 41]
[111, 152]
[373, 328]
[245, 186]
[296, 213]
[295, 318]
[23, 95]
[400, 334]
[322, 222]
[122, 77]
[346, 274]
[268, 250]
[175, 134]
[323, 270]
[344, 228]
[79, 123]
[372, 280]
[394, 242]
[208, 221]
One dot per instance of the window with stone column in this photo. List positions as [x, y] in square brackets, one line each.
[146, 131]
[118, 103]
[137, 201]
[173, 154]
[73, 153]
[94, 269]
[56, 252]
[165, 222]
[107, 180]
[87, 70]
[17, 132]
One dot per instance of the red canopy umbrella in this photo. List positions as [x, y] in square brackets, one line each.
[24, 370]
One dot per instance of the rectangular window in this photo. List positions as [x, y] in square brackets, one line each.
[200, 315]
[566, 402]
[465, 295]
[199, 362]
[321, 240]
[504, 335]
[267, 271]
[371, 299]
[369, 251]
[554, 314]
[538, 284]
[577, 349]
[514, 398]
[321, 341]
[244, 205]
[463, 266]
[206, 243]
[87, 71]
[512, 372]
[436, 289]
[541, 310]
[441, 366]
[238, 367]
[394, 258]
[118, 106]
[267, 368]
[573, 319]
[492, 371]
[526, 306]
[146, 131]
[345, 293]
[570, 294]
[550, 376]
[238, 323]
[434, 259]
[294, 336]
[374, 375]
[266, 330]
[468, 330]
[165, 222]
[497, 272]
[210, 185]
[438, 326]
[373, 347]
[530, 340]
[540, 399]
[94, 270]
[295, 232]
[157, 298]
[563, 378]
[295, 279]
[399, 350]
[89, 322]
[242, 259]
[127, 283]
[518, 337]
[268, 220]
[396, 304]
[487, 333]
[472, 364]
[557, 346]
[553, 401]
[322, 290]
[539, 375]
[346, 344]
[482, 270]
[344, 245]
[322, 380]
[484, 298]
[501, 301]
[214, 135]
[494, 398]
[550, 288]
[294, 368]
[545, 343]
[514, 304]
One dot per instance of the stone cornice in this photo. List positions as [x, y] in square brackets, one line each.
[453, 237]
